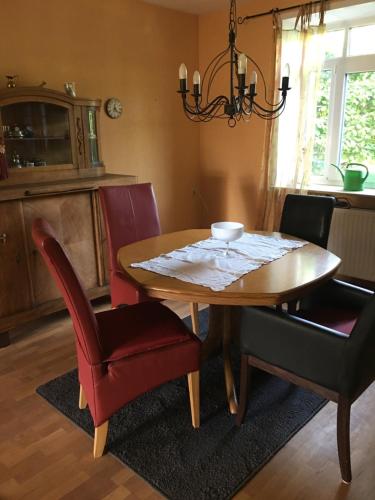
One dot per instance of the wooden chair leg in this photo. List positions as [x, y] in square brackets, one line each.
[82, 402]
[228, 371]
[343, 438]
[244, 389]
[100, 439]
[195, 318]
[193, 383]
[292, 307]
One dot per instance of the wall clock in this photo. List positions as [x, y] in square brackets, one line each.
[113, 107]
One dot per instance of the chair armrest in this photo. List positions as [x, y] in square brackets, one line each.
[311, 351]
[337, 293]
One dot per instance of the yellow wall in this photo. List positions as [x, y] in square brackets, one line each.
[132, 50]
[121, 48]
[232, 159]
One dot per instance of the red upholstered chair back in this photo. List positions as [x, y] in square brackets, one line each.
[83, 317]
[130, 214]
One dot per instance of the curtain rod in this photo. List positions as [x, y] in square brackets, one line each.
[241, 20]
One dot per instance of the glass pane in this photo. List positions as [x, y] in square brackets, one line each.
[321, 126]
[36, 134]
[362, 40]
[358, 138]
[334, 42]
[93, 140]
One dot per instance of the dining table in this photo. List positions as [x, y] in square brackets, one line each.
[283, 280]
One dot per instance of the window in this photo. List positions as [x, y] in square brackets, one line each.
[345, 114]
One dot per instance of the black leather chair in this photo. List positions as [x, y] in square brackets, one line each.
[334, 358]
[308, 217]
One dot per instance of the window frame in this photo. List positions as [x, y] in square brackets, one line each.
[340, 67]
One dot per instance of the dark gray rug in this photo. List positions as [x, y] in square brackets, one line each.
[153, 434]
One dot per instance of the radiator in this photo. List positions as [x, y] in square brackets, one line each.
[352, 238]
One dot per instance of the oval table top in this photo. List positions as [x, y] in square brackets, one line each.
[283, 280]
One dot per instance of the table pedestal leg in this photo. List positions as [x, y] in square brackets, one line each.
[213, 341]
[219, 335]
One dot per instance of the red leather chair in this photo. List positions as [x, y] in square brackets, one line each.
[123, 352]
[130, 214]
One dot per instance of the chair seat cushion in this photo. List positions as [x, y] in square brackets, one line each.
[341, 320]
[138, 328]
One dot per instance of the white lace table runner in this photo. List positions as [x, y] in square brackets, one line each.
[204, 263]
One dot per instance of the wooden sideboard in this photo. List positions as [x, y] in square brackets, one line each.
[72, 208]
[51, 145]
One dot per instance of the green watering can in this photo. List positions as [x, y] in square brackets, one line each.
[352, 176]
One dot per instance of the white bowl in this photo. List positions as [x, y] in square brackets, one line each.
[227, 231]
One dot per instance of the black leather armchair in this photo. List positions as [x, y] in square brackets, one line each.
[335, 363]
[308, 217]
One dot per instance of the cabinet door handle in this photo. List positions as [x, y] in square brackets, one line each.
[3, 238]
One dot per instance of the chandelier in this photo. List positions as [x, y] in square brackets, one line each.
[241, 102]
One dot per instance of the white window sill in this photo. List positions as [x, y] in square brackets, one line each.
[337, 190]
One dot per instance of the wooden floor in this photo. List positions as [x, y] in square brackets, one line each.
[44, 456]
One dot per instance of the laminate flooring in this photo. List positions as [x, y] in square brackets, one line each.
[44, 456]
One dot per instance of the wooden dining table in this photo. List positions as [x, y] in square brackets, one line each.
[286, 279]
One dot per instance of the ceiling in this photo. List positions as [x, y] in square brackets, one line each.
[192, 6]
[204, 6]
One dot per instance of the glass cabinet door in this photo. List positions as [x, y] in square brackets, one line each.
[36, 134]
[93, 150]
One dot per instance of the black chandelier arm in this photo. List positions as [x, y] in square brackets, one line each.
[210, 107]
[205, 118]
[272, 111]
[214, 106]
[214, 62]
[212, 77]
[275, 109]
[242, 107]
[197, 110]
[261, 76]
[213, 69]
[246, 106]
[268, 118]
[216, 114]
[269, 115]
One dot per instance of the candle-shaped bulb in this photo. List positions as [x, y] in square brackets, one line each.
[182, 72]
[242, 64]
[196, 83]
[254, 78]
[287, 70]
